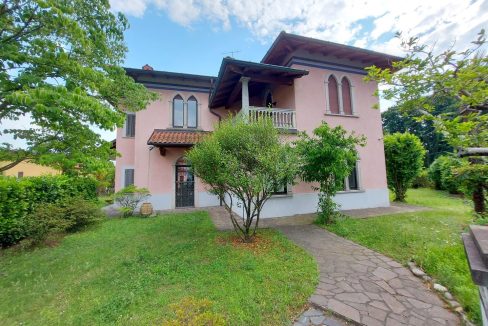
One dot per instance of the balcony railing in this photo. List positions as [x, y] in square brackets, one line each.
[282, 118]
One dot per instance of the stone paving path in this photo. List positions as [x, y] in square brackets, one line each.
[319, 317]
[365, 286]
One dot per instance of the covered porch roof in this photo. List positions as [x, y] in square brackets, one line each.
[227, 88]
[164, 138]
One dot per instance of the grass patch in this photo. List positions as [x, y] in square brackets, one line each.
[431, 238]
[129, 271]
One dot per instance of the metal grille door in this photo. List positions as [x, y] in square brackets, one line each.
[185, 186]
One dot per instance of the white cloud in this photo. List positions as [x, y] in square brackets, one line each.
[440, 21]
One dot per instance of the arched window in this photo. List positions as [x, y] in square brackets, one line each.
[346, 96]
[178, 111]
[192, 114]
[333, 95]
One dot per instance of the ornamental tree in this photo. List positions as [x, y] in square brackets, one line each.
[428, 72]
[404, 156]
[60, 70]
[327, 158]
[243, 163]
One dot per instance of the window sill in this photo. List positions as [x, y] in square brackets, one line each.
[351, 191]
[282, 195]
[128, 137]
[184, 128]
[342, 115]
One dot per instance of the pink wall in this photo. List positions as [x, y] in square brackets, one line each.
[310, 101]
[135, 151]
[307, 96]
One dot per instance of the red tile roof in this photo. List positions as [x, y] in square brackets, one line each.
[165, 137]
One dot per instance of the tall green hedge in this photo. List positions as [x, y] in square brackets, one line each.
[19, 197]
[441, 173]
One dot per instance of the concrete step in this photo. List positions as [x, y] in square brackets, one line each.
[480, 238]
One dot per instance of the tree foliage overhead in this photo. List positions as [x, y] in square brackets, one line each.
[60, 69]
[244, 163]
[327, 158]
[404, 156]
[427, 73]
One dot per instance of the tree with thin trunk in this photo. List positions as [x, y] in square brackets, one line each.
[327, 159]
[243, 163]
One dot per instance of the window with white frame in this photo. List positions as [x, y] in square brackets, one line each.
[192, 112]
[185, 114]
[339, 96]
[128, 177]
[130, 125]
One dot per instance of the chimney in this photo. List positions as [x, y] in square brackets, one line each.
[147, 67]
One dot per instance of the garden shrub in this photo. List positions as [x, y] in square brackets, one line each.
[44, 220]
[79, 212]
[19, 197]
[441, 173]
[434, 173]
[422, 180]
[404, 155]
[68, 216]
[195, 312]
[129, 197]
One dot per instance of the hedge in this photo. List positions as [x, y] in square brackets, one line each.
[441, 173]
[19, 197]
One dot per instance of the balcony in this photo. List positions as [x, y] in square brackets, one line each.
[282, 118]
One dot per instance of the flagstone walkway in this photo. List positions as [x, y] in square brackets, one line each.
[364, 286]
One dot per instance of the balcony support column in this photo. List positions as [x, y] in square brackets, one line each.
[245, 95]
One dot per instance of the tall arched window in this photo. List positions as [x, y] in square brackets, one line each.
[178, 111]
[346, 96]
[333, 95]
[192, 114]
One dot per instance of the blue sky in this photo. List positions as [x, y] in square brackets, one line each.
[165, 45]
[193, 36]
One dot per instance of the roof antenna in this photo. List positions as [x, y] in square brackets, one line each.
[231, 53]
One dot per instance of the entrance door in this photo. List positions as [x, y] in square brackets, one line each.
[185, 184]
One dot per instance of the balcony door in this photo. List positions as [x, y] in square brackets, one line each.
[184, 184]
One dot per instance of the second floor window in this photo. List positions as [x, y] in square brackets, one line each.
[346, 96]
[339, 96]
[185, 115]
[178, 111]
[333, 95]
[192, 109]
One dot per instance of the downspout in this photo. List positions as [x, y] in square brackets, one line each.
[209, 95]
[215, 114]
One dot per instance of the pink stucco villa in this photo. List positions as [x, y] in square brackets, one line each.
[300, 82]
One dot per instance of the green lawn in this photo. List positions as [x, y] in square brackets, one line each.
[432, 238]
[128, 271]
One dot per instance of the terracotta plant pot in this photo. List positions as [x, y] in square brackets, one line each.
[146, 209]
